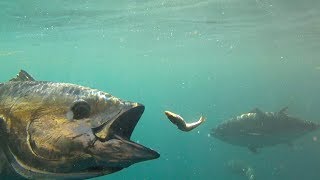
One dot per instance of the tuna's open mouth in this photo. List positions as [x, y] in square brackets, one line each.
[115, 136]
[124, 125]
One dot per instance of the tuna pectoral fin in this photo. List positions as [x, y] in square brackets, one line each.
[6, 170]
[3, 131]
[23, 76]
[253, 149]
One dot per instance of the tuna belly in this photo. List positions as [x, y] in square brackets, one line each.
[256, 140]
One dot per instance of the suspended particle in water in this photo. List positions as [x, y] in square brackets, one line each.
[121, 39]
[209, 135]
[183, 85]
[315, 138]
[195, 32]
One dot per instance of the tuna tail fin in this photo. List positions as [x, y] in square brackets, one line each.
[23, 76]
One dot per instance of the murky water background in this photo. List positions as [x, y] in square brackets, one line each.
[212, 57]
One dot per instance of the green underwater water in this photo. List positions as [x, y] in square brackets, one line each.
[217, 58]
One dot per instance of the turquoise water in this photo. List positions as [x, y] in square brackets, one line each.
[194, 57]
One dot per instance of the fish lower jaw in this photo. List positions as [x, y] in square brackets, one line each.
[103, 169]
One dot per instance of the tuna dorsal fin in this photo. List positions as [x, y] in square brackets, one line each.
[23, 76]
[257, 110]
[284, 110]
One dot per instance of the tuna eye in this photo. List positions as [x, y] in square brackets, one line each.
[81, 109]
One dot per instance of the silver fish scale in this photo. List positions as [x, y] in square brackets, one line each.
[43, 88]
[246, 116]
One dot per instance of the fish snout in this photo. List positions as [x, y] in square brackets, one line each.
[137, 152]
[174, 118]
[217, 133]
[169, 114]
[121, 153]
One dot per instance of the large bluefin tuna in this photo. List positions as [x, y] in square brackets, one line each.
[258, 129]
[64, 131]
